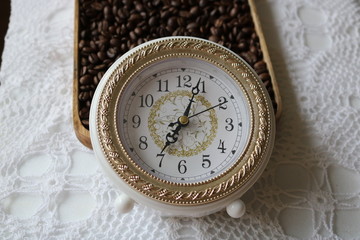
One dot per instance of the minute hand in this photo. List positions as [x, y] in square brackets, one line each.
[217, 105]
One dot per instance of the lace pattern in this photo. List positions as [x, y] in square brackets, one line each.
[309, 190]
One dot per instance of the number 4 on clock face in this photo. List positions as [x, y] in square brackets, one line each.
[221, 146]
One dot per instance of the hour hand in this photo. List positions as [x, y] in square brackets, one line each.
[171, 137]
[195, 91]
[173, 124]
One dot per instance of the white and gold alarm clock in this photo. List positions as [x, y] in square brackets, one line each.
[182, 125]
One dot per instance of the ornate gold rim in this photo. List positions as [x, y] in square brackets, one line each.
[176, 193]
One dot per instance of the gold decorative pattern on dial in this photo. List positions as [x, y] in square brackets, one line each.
[196, 136]
[262, 123]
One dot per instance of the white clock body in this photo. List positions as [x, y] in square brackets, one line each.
[148, 114]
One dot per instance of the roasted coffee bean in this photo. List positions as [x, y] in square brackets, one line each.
[259, 65]
[247, 30]
[108, 62]
[107, 12]
[82, 43]
[266, 83]
[254, 37]
[91, 70]
[111, 53]
[264, 76]
[165, 14]
[138, 31]
[194, 11]
[214, 38]
[100, 75]
[101, 55]
[85, 87]
[203, 3]
[192, 26]
[222, 9]
[83, 71]
[215, 31]
[261, 70]
[93, 45]
[254, 49]
[83, 96]
[97, 6]
[85, 122]
[219, 22]
[234, 12]
[245, 20]
[115, 42]
[184, 14]
[88, 103]
[249, 57]
[175, 3]
[84, 113]
[87, 49]
[243, 46]
[100, 67]
[93, 58]
[96, 80]
[86, 79]
[109, 28]
[153, 21]
[173, 22]
[135, 18]
[139, 7]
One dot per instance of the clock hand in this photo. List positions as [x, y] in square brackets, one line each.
[195, 91]
[217, 105]
[183, 120]
[171, 137]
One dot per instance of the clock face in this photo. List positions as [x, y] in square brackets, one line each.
[183, 120]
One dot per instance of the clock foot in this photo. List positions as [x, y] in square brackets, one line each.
[236, 209]
[124, 204]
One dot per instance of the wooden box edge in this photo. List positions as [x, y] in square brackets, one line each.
[83, 134]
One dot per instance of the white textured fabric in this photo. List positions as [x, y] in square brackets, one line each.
[52, 188]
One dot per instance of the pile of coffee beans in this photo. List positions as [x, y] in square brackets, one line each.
[109, 28]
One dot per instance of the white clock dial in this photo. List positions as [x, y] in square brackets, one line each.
[183, 120]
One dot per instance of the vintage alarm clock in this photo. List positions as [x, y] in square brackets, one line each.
[182, 125]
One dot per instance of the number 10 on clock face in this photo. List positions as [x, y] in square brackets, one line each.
[183, 120]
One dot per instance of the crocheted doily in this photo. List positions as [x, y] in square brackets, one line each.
[52, 186]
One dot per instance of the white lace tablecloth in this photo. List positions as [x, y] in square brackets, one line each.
[51, 186]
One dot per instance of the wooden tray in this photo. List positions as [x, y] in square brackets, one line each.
[82, 132]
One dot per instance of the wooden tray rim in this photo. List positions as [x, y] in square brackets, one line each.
[83, 134]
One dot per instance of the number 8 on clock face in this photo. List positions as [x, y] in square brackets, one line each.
[183, 120]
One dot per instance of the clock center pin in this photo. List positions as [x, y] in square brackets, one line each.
[183, 120]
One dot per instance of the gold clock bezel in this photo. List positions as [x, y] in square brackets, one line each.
[207, 191]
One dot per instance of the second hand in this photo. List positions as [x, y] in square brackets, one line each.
[208, 109]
